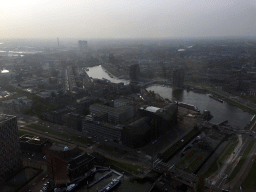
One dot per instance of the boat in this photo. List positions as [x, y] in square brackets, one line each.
[111, 185]
[188, 106]
[216, 98]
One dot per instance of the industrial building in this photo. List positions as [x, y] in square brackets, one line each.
[10, 153]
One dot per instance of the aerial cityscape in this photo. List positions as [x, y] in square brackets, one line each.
[106, 108]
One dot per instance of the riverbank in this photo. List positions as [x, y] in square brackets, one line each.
[112, 72]
[240, 106]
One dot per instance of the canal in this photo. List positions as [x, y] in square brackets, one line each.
[220, 111]
[100, 73]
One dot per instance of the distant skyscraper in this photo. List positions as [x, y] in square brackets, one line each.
[82, 46]
[134, 72]
[178, 78]
[10, 160]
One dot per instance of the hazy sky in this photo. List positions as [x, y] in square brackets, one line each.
[126, 18]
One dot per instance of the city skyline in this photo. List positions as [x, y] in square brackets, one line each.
[130, 19]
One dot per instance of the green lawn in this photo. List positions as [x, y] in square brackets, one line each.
[241, 162]
[178, 144]
[21, 132]
[58, 133]
[111, 149]
[196, 162]
[186, 159]
[214, 166]
[125, 166]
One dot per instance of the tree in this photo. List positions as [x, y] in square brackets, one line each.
[200, 184]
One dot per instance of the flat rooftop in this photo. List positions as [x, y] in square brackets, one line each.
[150, 109]
[31, 139]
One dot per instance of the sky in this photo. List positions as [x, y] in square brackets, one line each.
[126, 18]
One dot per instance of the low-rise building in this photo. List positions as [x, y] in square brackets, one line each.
[73, 121]
[66, 163]
[16, 105]
[103, 129]
[116, 115]
[34, 144]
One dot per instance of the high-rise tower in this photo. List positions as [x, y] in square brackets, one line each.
[82, 46]
[178, 78]
[10, 154]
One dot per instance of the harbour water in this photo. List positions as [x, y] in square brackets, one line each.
[126, 185]
[220, 111]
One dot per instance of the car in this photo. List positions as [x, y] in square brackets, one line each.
[89, 137]
[46, 132]
[79, 136]
[43, 179]
[69, 139]
[34, 184]
[88, 145]
[106, 140]
[46, 176]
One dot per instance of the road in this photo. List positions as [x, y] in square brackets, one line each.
[220, 176]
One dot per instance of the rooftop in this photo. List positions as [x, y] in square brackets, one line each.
[150, 109]
[33, 139]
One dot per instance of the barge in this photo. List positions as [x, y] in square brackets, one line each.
[187, 106]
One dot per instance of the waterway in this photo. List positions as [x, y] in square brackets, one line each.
[220, 111]
[100, 73]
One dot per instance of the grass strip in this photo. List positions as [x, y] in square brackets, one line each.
[186, 159]
[241, 162]
[58, 133]
[178, 144]
[214, 166]
[111, 149]
[249, 182]
[195, 163]
[21, 132]
[125, 166]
